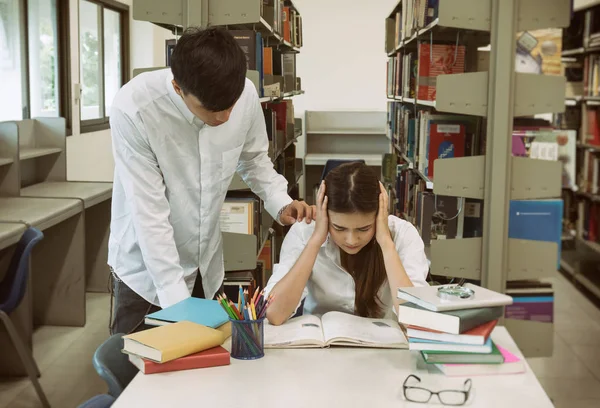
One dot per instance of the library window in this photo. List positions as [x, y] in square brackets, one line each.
[29, 59]
[103, 55]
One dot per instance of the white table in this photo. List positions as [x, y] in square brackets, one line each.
[336, 377]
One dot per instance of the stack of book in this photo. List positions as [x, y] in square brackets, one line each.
[455, 334]
[189, 335]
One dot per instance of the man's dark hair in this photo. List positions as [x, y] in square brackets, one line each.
[209, 64]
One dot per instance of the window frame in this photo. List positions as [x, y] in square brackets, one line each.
[95, 125]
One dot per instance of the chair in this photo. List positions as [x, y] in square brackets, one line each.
[12, 291]
[113, 366]
[98, 401]
[330, 165]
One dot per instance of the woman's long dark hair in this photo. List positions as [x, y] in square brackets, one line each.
[354, 188]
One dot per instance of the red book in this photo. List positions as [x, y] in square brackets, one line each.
[446, 140]
[476, 336]
[287, 31]
[213, 357]
[441, 59]
[593, 129]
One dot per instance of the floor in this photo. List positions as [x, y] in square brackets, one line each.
[571, 377]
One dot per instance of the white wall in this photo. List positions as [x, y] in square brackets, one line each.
[342, 66]
[343, 62]
[89, 155]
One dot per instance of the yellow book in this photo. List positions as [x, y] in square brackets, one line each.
[166, 343]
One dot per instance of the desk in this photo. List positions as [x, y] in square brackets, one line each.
[57, 262]
[336, 377]
[10, 234]
[96, 198]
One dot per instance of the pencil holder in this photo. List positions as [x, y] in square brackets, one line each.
[247, 339]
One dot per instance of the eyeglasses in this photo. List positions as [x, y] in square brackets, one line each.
[446, 397]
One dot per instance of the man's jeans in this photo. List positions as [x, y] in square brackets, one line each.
[128, 309]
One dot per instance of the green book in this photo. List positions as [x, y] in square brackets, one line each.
[446, 357]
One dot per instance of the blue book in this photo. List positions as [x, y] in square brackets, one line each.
[202, 311]
[536, 220]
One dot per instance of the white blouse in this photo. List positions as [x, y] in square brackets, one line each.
[330, 287]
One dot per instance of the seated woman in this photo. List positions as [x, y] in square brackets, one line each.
[353, 259]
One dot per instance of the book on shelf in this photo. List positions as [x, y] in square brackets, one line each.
[532, 300]
[453, 322]
[548, 144]
[166, 343]
[335, 328]
[412, 16]
[434, 60]
[537, 220]
[214, 357]
[590, 220]
[539, 52]
[251, 42]
[240, 215]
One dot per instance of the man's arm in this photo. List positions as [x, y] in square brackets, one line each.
[144, 188]
[255, 166]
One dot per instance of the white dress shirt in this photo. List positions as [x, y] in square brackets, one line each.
[172, 173]
[330, 287]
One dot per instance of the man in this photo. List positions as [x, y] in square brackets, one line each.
[178, 137]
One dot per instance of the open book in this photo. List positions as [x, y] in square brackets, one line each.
[335, 329]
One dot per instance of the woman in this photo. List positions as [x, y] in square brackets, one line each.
[354, 259]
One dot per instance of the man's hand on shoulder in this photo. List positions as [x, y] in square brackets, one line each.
[297, 211]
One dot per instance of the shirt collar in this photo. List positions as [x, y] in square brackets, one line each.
[331, 249]
[178, 101]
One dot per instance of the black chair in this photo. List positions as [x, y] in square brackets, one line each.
[113, 366]
[330, 165]
[12, 291]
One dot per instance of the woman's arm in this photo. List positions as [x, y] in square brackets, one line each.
[288, 291]
[396, 274]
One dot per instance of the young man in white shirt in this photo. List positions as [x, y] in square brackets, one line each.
[179, 136]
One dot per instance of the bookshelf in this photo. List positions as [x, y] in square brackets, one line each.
[271, 30]
[341, 135]
[461, 83]
[581, 55]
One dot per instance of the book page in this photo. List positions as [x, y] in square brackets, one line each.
[341, 328]
[303, 331]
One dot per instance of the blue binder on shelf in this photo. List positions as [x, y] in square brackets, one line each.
[201, 311]
[537, 220]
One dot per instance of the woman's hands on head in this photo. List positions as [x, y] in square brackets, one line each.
[382, 229]
[322, 220]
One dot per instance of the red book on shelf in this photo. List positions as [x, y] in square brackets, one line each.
[287, 31]
[441, 59]
[216, 356]
[593, 131]
[446, 140]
